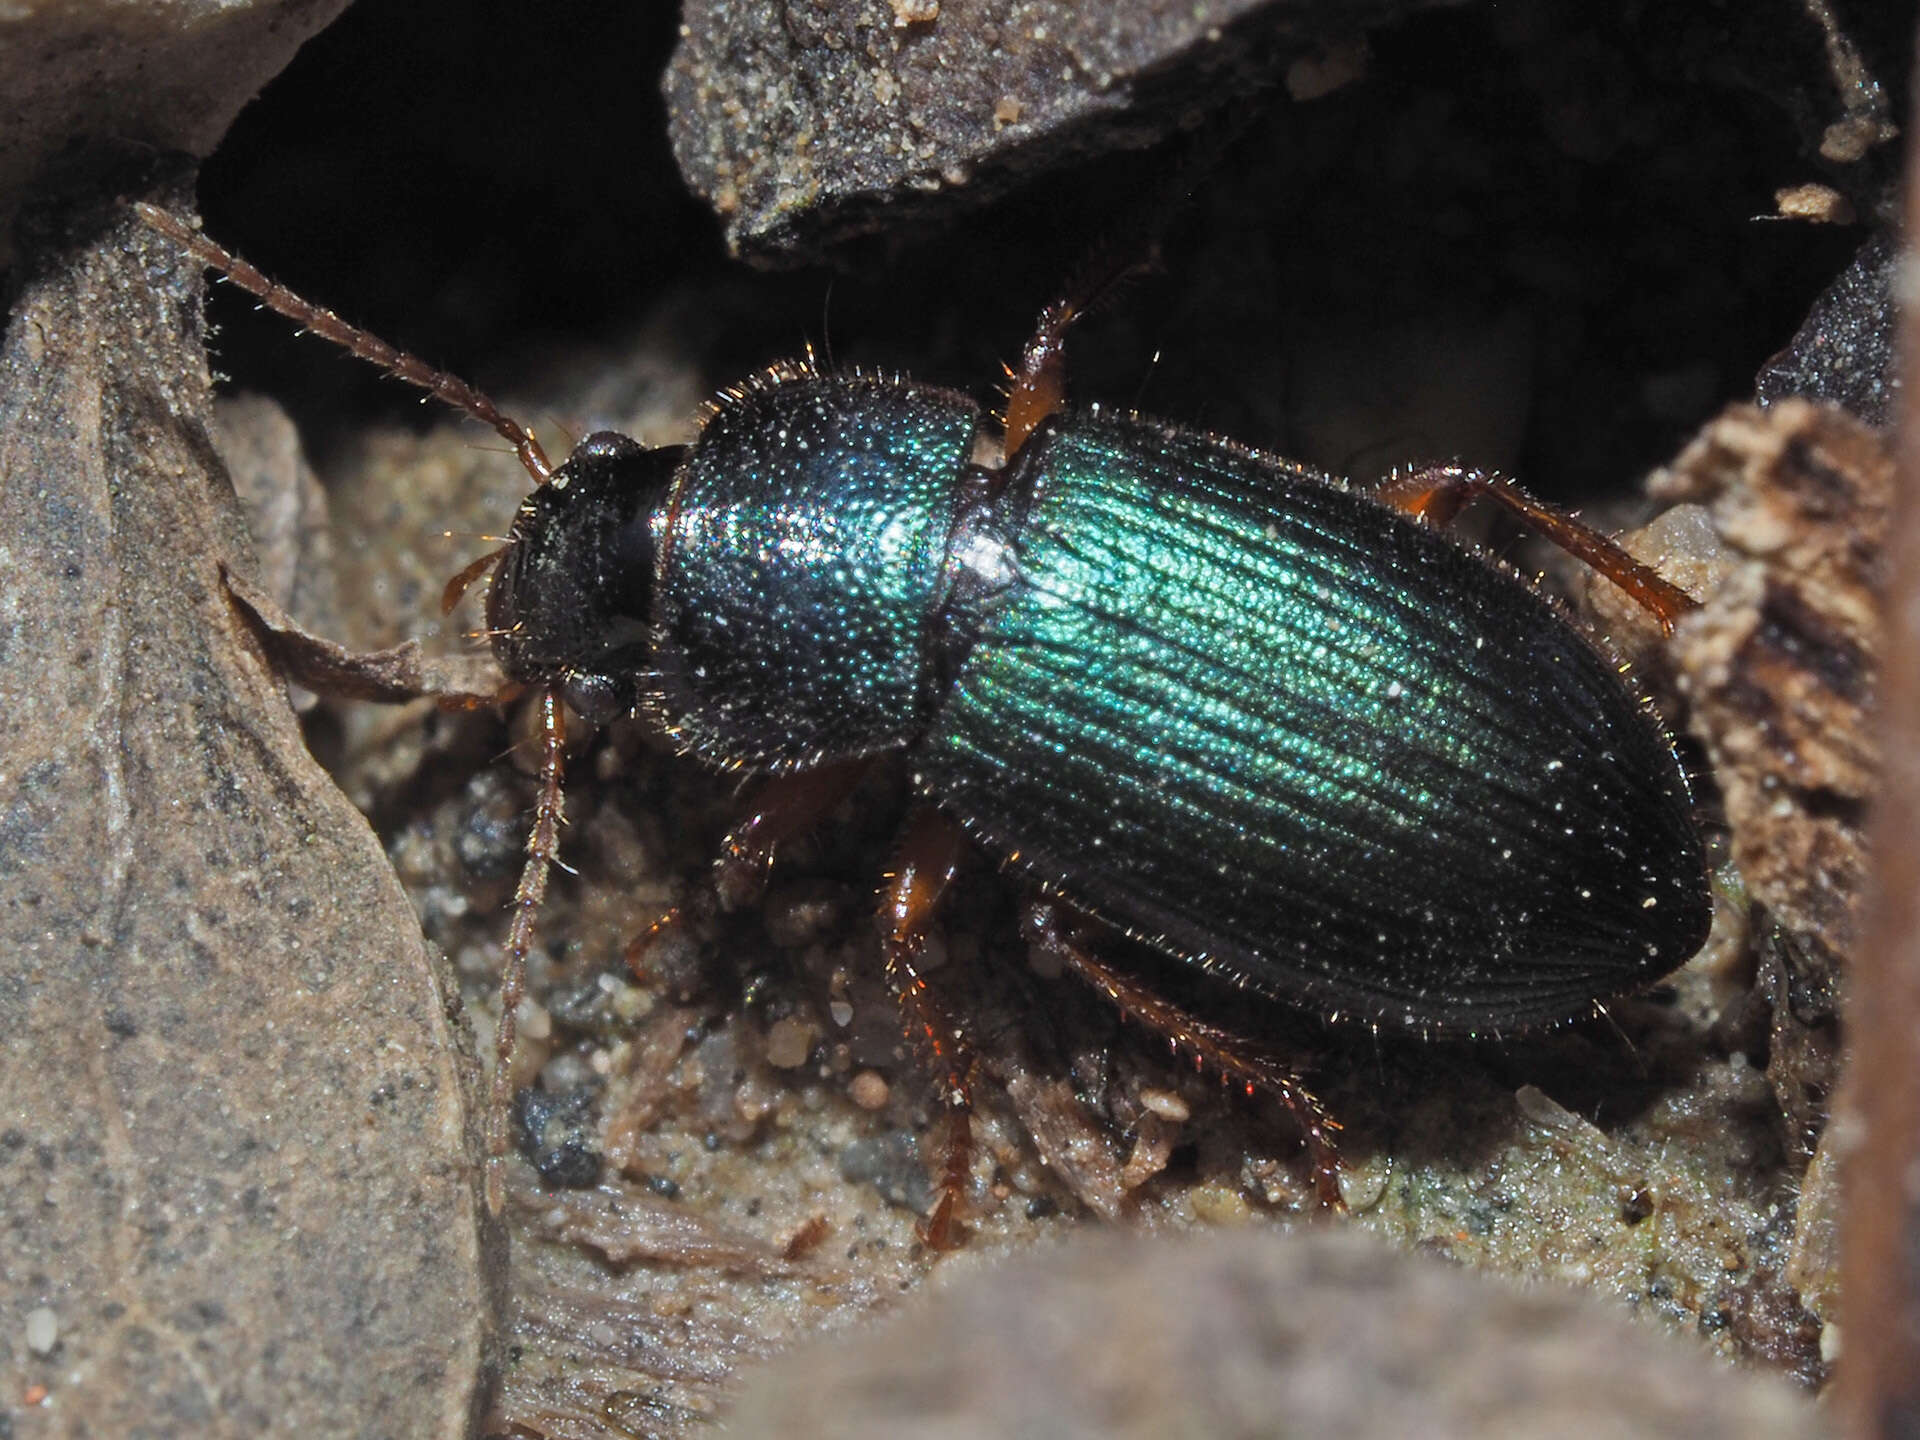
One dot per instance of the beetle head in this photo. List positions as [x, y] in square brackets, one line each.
[571, 600]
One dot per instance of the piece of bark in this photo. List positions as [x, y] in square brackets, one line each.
[237, 1166]
[1877, 1115]
[395, 675]
[1780, 668]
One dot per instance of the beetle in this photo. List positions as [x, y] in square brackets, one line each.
[1283, 731]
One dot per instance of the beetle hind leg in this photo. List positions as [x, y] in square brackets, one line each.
[1437, 493]
[1049, 926]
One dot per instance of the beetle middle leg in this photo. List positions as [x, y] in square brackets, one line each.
[1048, 925]
[1437, 493]
[927, 859]
[1130, 250]
[1040, 379]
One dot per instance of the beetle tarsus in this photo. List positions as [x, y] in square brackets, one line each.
[942, 1229]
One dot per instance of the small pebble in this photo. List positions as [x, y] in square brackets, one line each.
[532, 1021]
[566, 1072]
[43, 1330]
[1218, 1204]
[631, 1003]
[789, 1042]
[1167, 1104]
[869, 1090]
[1363, 1183]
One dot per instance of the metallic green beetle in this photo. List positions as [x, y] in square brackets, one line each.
[1277, 729]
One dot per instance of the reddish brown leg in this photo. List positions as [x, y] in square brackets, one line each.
[1045, 924]
[1437, 493]
[1040, 379]
[456, 588]
[1131, 248]
[543, 848]
[928, 857]
[785, 807]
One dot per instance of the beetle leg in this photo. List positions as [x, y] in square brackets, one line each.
[1044, 923]
[926, 861]
[784, 808]
[1437, 493]
[1040, 379]
[1131, 249]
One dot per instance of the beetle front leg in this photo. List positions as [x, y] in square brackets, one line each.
[1437, 493]
[1039, 386]
[926, 861]
[1046, 924]
[785, 808]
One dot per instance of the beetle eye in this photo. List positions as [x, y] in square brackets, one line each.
[599, 698]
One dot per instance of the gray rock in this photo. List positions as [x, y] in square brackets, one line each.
[1326, 1333]
[236, 1164]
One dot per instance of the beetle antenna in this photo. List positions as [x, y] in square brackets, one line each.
[543, 852]
[444, 386]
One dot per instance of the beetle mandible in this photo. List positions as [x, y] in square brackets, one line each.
[1274, 727]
